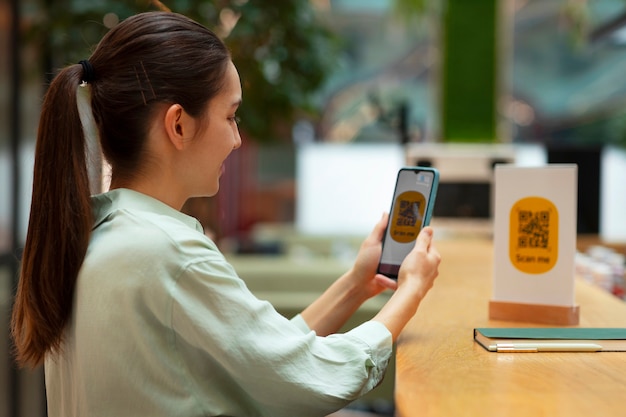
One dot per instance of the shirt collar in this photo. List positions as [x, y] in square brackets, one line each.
[124, 198]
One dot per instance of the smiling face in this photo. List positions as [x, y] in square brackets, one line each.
[216, 138]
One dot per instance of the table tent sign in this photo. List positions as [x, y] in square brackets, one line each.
[535, 244]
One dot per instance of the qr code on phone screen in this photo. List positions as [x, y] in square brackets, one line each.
[409, 213]
[534, 229]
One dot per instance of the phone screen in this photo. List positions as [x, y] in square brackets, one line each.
[411, 209]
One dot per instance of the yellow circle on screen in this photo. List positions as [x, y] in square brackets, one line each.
[408, 213]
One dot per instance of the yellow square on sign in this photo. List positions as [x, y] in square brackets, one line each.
[534, 235]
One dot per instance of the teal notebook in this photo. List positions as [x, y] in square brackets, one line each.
[604, 339]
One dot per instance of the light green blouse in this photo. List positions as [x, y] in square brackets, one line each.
[163, 326]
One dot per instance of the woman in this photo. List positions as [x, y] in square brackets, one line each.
[131, 308]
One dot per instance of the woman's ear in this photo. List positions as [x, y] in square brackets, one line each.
[179, 126]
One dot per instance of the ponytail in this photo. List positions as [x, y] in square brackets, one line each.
[59, 225]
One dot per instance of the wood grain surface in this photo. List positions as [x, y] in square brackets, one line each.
[441, 371]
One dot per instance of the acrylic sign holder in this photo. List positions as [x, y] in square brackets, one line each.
[535, 244]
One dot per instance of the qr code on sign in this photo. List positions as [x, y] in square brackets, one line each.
[409, 213]
[534, 229]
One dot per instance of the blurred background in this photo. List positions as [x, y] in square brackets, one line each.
[338, 94]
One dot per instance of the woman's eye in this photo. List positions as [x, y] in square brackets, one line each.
[235, 119]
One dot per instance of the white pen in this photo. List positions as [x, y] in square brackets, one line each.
[545, 347]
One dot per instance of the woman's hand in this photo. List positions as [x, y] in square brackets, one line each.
[417, 275]
[336, 305]
[421, 265]
[363, 273]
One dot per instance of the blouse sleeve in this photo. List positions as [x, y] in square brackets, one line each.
[281, 364]
[299, 322]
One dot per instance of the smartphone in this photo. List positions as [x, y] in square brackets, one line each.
[411, 209]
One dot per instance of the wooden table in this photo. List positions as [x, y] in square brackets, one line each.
[441, 371]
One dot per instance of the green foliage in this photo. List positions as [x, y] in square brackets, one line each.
[409, 9]
[283, 55]
[282, 52]
[469, 73]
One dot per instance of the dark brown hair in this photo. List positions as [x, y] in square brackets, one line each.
[148, 59]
